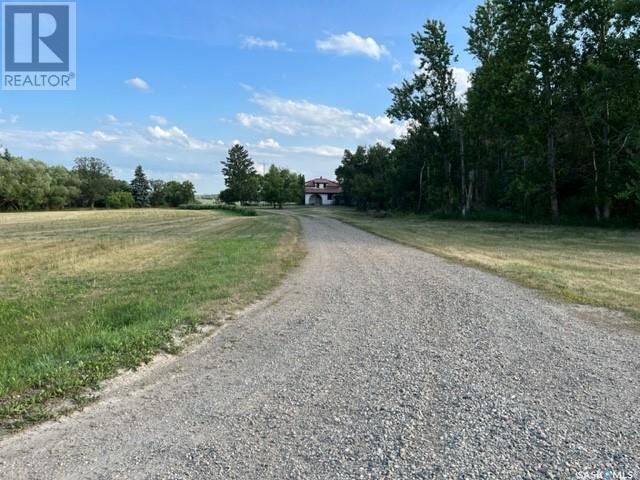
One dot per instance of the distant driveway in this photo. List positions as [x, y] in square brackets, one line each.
[373, 360]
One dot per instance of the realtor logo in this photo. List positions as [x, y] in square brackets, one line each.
[39, 46]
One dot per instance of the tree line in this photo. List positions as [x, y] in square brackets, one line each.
[243, 183]
[549, 128]
[27, 184]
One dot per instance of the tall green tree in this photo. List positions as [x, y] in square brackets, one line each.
[280, 186]
[141, 188]
[96, 179]
[157, 195]
[608, 92]
[367, 177]
[273, 190]
[428, 101]
[176, 193]
[240, 176]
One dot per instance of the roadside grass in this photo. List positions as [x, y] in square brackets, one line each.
[84, 294]
[582, 265]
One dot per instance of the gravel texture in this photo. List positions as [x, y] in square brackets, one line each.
[372, 360]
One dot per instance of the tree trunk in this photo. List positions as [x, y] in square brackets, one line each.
[463, 189]
[553, 192]
[606, 206]
[596, 193]
[424, 164]
[469, 199]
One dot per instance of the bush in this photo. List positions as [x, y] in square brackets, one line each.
[245, 212]
[120, 200]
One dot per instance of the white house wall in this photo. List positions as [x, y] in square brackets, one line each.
[324, 196]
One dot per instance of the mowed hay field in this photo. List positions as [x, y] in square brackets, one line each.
[85, 293]
[577, 264]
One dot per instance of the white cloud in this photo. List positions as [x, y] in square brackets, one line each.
[139, 84]
[268, 143]
[173, 132]
[301, 117]
[352, 44]
[257, 42]
[320, 150]
[179, 137]
[463, 81]
[158, 119]
[103, 136]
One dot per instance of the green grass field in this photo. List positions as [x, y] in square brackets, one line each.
[583, 265]
[86, 293]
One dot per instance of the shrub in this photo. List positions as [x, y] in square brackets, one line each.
[120, 200]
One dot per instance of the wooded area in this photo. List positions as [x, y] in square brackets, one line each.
[34, 185]
[548, 130]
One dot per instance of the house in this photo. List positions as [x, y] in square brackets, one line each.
[321, 191]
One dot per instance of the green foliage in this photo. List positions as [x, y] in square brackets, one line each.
[280, 186]
[140, 188]
[549, 128]
[96, 180]
[157, 194]
[367, 177]
[176, 193]
[31, 185]
[118, 200]
[240, 176]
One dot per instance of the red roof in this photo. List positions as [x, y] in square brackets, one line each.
[313, 181]
[331, 186]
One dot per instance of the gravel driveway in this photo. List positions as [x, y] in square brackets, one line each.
[373, 360]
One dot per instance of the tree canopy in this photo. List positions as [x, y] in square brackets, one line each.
[240, 176]
[549, 127]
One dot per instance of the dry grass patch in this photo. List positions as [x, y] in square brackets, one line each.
[84, 294]
[578, 264]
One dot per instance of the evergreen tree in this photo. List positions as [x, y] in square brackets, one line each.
[240, 175]
[141, 189]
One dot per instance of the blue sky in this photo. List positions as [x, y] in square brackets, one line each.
[172, 85]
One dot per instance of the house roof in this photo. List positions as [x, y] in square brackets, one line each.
[332, 186]
[313, 181]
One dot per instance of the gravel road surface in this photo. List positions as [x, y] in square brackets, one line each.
[372, 360]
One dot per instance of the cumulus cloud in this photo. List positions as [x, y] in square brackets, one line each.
[178, 136]
[301, 117]
[352, 44]
[270, 144]
[139, 84]
[463, 81]
[257, 42]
